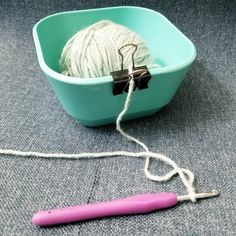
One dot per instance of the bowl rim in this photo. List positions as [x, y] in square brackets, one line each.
[89, 81]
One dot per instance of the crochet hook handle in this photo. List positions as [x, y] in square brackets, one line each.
[142, 203]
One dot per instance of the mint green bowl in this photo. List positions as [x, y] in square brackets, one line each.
[91, 100]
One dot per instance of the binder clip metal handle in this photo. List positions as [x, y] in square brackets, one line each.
[121, 78]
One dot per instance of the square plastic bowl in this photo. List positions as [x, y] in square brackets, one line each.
[90, 100]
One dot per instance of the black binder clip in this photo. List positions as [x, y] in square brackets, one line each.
[121, 78]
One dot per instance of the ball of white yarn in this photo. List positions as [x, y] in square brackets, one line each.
[93, 51]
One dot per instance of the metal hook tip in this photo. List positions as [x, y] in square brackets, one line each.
[215, 192]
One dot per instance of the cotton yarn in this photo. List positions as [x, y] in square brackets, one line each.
[93, 51]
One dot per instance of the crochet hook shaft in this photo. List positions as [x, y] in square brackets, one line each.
[142, 203]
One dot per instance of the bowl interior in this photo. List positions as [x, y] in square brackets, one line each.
[167, 45]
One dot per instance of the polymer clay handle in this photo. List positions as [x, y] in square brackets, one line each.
[138, 204]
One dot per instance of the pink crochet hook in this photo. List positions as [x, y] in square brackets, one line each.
[138, 204]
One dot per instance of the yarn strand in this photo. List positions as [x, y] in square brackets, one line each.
[188, 182]
[186, 176]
